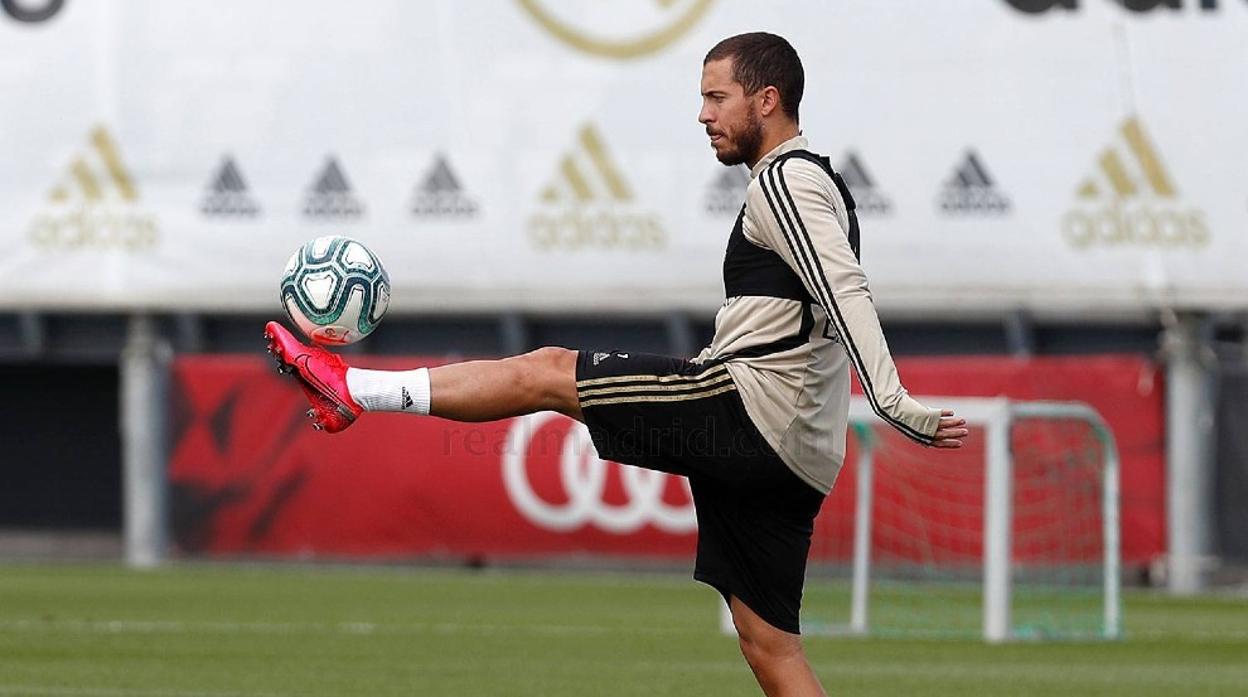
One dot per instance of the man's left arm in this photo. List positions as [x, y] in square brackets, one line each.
[805, 229]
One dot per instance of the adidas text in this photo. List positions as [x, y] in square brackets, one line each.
[1118, 224]
[579, 228]
[973, 201]
[86, 227]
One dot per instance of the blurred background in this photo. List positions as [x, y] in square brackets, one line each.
[1053, 198]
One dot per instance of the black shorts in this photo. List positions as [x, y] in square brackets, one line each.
[755, 517]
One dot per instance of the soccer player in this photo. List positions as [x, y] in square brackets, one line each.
[757, 421]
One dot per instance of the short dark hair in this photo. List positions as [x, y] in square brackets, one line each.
[760, 59]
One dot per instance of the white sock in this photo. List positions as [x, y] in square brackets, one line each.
[390, 390]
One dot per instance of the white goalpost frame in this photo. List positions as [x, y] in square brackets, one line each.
[862, 533]
[997, 416]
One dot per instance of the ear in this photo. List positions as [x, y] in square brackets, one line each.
[769, 100]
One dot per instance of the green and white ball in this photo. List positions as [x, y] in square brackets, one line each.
[335, 290]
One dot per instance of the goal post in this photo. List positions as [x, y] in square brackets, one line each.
[1013, 537]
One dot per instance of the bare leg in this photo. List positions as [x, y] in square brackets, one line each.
[775, 656]
[541, 380]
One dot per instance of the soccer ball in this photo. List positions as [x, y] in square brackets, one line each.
[335, 290]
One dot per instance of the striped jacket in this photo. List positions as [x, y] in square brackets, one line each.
[797, 313]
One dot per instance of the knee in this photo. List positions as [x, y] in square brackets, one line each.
[548, 371]
[768, 649]
[550, 360]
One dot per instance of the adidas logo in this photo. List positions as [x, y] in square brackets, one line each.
[868, 199]
[588, 204]
[971, 190]
[330, 196]
[1130, 199]
[600, 356]
[95, 204]
[1113, 167]
[440, 195]
[227, 195]
[727, 192]
[406, 399]
[97, 174]
[586, 173]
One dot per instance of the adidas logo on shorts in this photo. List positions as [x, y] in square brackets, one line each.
[601, 356]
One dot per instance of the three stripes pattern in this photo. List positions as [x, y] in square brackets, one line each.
[86, 180]
[572, 178]
[629, 389]
[1115, 169]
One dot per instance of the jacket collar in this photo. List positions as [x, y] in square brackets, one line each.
[797, 142]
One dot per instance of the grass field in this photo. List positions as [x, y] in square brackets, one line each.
[212, 631]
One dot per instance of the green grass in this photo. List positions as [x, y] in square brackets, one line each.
[211, 631]
[942, 609]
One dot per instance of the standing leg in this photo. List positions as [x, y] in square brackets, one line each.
[775, 656]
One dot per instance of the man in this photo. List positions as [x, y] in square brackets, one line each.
[757, 421]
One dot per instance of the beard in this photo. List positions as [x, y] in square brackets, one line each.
[745, 145]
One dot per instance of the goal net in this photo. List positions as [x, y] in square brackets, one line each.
[1014, 536]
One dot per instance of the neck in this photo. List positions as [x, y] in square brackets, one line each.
[773, 137]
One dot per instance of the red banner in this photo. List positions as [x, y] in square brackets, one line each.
[250, 476]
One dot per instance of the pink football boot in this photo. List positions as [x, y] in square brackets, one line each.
[322, 375]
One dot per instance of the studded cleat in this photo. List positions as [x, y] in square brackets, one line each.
[322, 376]
[324, 414]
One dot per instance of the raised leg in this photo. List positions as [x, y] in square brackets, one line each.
[540, 380]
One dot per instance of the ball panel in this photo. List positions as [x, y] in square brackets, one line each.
[322, 247]
[356, 256]
[382, 302]
[320, 288]
[354, 319]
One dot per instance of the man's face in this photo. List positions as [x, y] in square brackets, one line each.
[730, 115]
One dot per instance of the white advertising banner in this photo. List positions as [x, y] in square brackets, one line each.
[1063, 156]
